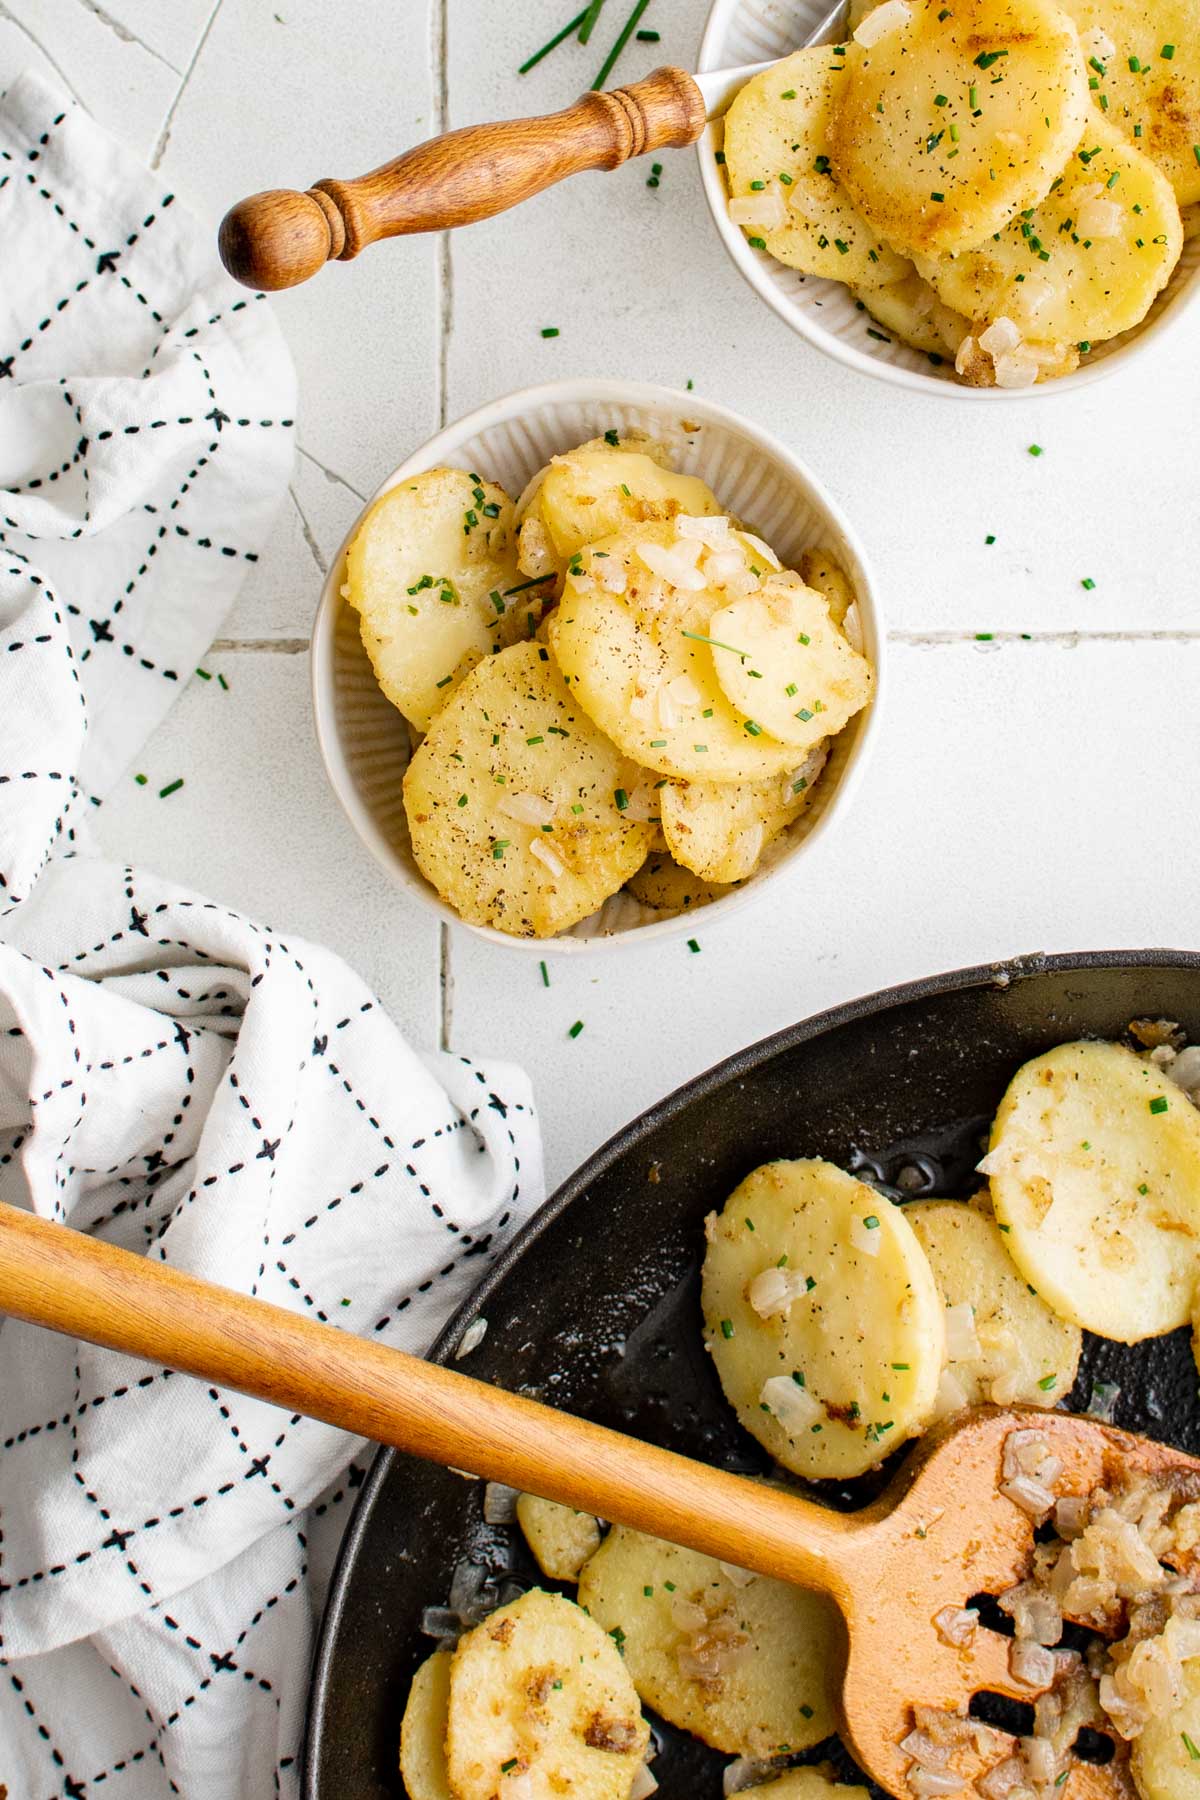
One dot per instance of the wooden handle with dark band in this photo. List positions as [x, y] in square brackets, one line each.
[280, 238]
[52, 1276]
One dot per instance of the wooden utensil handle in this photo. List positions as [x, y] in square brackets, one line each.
[52, 1276]
[280, 238]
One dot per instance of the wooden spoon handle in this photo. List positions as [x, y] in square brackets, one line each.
[52, 1276]
[280, 238]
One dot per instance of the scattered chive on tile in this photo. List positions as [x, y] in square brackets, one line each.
[1035, 449]
[549, 331]
[576, 1028]
[554, 42]
[1087, 583]
[173, 787]
[623, 36]
[694, 947]
[204, 674]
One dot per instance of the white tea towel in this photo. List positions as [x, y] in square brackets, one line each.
[174, 1077]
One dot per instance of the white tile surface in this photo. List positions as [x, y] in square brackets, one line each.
[1035, 795]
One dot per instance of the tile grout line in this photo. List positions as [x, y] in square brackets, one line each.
[7, 14]
[164, 136]
[919, 640]
[126, 35]
[439, 38]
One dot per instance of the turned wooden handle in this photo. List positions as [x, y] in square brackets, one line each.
[280, 238]
[52, 1276]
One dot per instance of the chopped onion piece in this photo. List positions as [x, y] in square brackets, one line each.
[852, 629]
[644, 1785]
[1099, 219]
[1030, 1664]
[541, 852]
[741, 1578]
[926, 1783]
[924, 1749]
[672, 566]
[1001, 335]
[962, 1340]
[864, 1237]
[528, 809]
[880, 21]
[1029, 1495]
[1017, 369]
[500, 1503]
[610, 574]
[1024, 1452]
[955, 1625]
[471, 1338]
[762, 549]
[1001, 1778]
[793, 1406]
[687, 1615]
[1185, 1070]
[709, 529]
[951, 1395]
[766, 210]
[746, 1772]
[773, 1290]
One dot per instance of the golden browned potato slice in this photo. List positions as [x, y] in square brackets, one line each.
[514, 801]
[782, 188]
[820, 569]
[957, 118]
[429, 572]
[590, 494]
[911, 311]
[539, 1695]
[720, 829]
[1191, 221]
[1003, 1344]
[747, 1664]
[1084, 264]
[817, 1781]
[561, 1538]
[822, 1317]
[1094, 1170]
[1148, 82]
[662, 884]
[785, 664]
[423, 1731]
[631, 637]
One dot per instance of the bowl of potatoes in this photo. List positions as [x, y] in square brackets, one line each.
[593, 659]
[976, 197]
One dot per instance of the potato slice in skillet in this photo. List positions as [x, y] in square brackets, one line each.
[421, 573]
[1094, 1170]
[820, 569]
[1166, 1752]
[541, 1706]
[560, 1538]
[595, 491]
[822, 1317]
[1003, 1344]
[1162, 93]
[668, 888]
[957, 118]
[786, 664]
[780, 181]
[746, 1663]
[1086, 262]
[817, 1781]
[911, 311]
[720, 829]
[423, 1731]
[631, 637]
[514, 801]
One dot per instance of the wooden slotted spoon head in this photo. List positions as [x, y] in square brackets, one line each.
[940, 1534]
[282, 237]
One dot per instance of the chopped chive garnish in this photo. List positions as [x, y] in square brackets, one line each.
[1158, 1105]
[613, 438]
[173, 787]
[757, 243]
[973, 98]
[576, 1028]
[648, 37]
[698, 637]
[788, 94]
[1167, 52]
[1113, 179]
[670, 1586]
[871, 1222]
[791, 690]
[549, 331]
[499, 847]
[545, 974]
[901, 1365]
[621, 798]
[990, 538]
[756, 187]
[986, 58]
[941, 100]
[752, 727]
[507, 1767]
[204, 674]
[592, 14]
[1196, 152]
[694, 947]
[1047, 1382]
[1190, 1747]
[538, 581]
[462, 799]
[221, 682]
[1083, 346]
[726, 1328]
[1143, 1188]
[623, 36]
[555, 41]
[938, 197]
[806, 1711]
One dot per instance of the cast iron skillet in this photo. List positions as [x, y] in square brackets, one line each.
[594, 1307]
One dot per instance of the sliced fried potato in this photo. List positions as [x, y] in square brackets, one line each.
[956, 119]
[511, 754]
[822, 1317]
[423, 1731]
[634, 647]
[782, 187]
[1110, 233]
[820, 569]
[590, 494]
[662, 884]
[1140, 86]
[784, 663]
[561, 1538]
[1094, 1169]
[422, 575]
[1003, 1343]
[1166, 1752]
[911, 311]
[748, 1664]
[719, 829]
[817, 1781]
[1191, 221]
[539, 1691]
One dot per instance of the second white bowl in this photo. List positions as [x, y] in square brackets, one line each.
[363, 739]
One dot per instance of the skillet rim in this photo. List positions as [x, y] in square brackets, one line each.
[1001, 973]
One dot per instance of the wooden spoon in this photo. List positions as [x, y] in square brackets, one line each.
[279, 238]
[940, 1534]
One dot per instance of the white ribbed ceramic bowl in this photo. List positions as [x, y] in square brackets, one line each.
[750, 31]
[364, 740]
